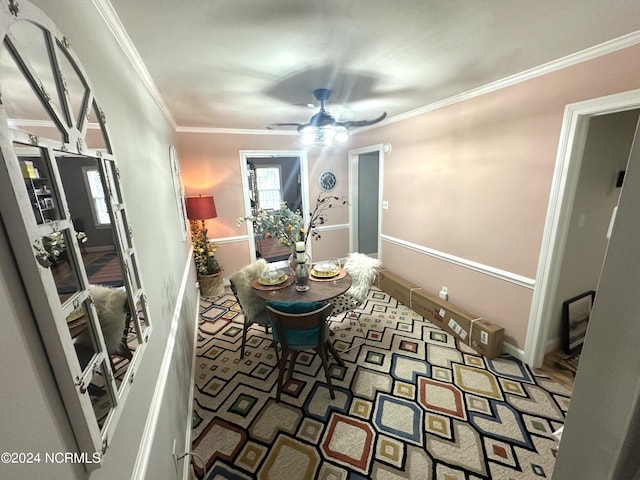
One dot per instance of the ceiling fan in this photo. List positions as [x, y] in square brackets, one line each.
[323, 129]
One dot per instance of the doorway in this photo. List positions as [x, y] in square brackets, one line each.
[269, 178]
[365, 174]
[563, 194]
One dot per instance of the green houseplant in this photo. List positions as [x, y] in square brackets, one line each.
[287, 226]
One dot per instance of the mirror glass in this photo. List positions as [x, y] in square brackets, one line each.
[99, 392]
[20, 101]
[76, 88]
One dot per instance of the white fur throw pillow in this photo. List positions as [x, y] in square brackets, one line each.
[251, 304]
[110, 304]
[363, 270]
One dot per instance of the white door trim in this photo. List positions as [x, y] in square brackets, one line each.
[573, 136]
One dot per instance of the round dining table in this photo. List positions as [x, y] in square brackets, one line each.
[321, 289]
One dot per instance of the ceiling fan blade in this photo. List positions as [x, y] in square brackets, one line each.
[324, 119]
[364, 123]
[284, 125]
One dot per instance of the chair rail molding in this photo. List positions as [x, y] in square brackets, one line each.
[463, 262]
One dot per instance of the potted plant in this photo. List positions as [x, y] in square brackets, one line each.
[207, 266]
[287, 226]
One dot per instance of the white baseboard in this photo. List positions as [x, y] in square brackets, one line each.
[189, 429]
[552, 344]
[513, 351]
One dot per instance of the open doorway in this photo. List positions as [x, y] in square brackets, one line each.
[269, 178]
[365, 193]
[604, 161]
[560, 216]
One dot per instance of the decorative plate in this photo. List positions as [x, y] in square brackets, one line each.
[258, 286]
[273, 278]
[341, 274]
[325, 270]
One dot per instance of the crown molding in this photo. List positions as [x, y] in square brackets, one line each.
[108, 14]
[590, 53]
[233, 131]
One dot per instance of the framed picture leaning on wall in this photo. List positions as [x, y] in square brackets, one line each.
[575, 319]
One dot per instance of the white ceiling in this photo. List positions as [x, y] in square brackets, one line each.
[246, 64]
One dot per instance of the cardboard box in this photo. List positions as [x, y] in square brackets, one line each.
[444, 314]
[483, 336]
[396, 286]
[486, 338]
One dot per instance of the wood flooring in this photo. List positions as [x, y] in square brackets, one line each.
[556, 366]
[270, 249]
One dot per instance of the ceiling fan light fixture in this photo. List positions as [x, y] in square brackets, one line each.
[323, 136]
[323, 130]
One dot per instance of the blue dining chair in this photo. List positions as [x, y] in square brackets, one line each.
[300, 326]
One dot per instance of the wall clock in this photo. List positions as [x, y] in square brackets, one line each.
[327, 180]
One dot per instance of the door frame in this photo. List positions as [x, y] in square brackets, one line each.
[304, 186]
[573, 136]
[354, 160]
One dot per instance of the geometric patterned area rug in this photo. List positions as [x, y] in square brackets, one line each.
[411, 403]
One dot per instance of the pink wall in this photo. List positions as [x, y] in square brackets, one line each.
[470, 180]
[473, 180]
[210, 164]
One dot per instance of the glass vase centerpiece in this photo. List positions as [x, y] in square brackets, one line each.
[301, 273]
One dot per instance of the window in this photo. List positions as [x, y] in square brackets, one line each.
[269, 184]
[98, 204]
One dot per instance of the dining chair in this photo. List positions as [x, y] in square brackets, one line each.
[252, 306]
[363, 270]
[300, 326]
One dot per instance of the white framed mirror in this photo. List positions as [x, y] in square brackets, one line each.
[64, 210]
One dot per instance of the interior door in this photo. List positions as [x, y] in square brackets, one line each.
[368, 202]
[365, 167]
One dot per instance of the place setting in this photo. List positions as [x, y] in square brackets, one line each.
[272, 279]
[327, 271]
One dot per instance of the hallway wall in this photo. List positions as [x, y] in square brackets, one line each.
[33, 417]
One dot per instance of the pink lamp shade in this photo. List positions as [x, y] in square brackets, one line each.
[201, 207]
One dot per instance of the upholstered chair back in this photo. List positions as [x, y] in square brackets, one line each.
[241, 280]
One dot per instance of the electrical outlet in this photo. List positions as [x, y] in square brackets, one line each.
[444, 293]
